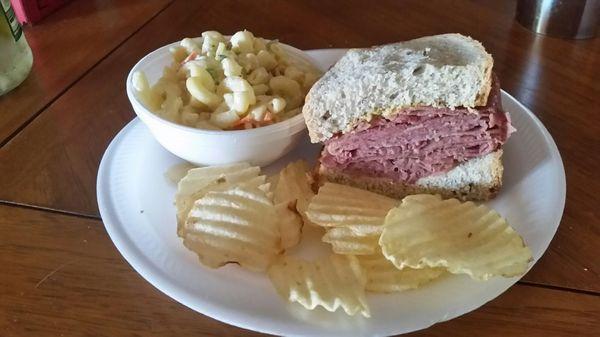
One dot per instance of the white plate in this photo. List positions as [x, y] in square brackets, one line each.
[136, 204]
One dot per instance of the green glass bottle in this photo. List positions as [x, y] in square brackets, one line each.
[15, 55]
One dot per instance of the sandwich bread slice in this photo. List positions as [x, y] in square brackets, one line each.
[421, 116]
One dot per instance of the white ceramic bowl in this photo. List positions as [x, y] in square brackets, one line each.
[259, 146]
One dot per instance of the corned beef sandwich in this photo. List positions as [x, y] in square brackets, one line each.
[421, 116]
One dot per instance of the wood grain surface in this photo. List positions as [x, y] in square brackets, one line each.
[66, 45]
[52, 163]
[67, 279]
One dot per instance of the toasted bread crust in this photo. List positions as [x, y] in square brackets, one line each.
[470, 186]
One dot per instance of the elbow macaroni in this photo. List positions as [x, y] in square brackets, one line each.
[190, 45]
[259, 76]
[224, 83]
[249, 61]
[203, 76]
[277, 105]
[243, 41]
[231, 68]
[201, 93]
[260, 89]
[288, 89]
[266, 60]
[294, 73]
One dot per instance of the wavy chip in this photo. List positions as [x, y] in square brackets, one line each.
[345, 241]
[356, 216]
[237, 225]
[290, 225]
[384, 277]
[199, 181]
[338, 205]
[462, 237]
[293, 186]
[176, 172]
[421, 199]
[331, 282]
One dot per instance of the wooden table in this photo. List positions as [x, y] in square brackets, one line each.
[61, 275]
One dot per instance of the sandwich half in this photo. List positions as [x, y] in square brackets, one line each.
[421, 116]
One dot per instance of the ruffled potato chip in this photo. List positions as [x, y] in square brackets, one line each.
[176, 172]
[353, 217]
[461, 236]
[332, 282]
[199, 181]
[293, 186]
[290, 225]
[384, 277]
[344, 240]
[237, 225]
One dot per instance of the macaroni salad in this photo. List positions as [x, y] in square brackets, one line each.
[221, 83]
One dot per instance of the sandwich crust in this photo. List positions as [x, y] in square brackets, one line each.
[476, 179]
[449, 70]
